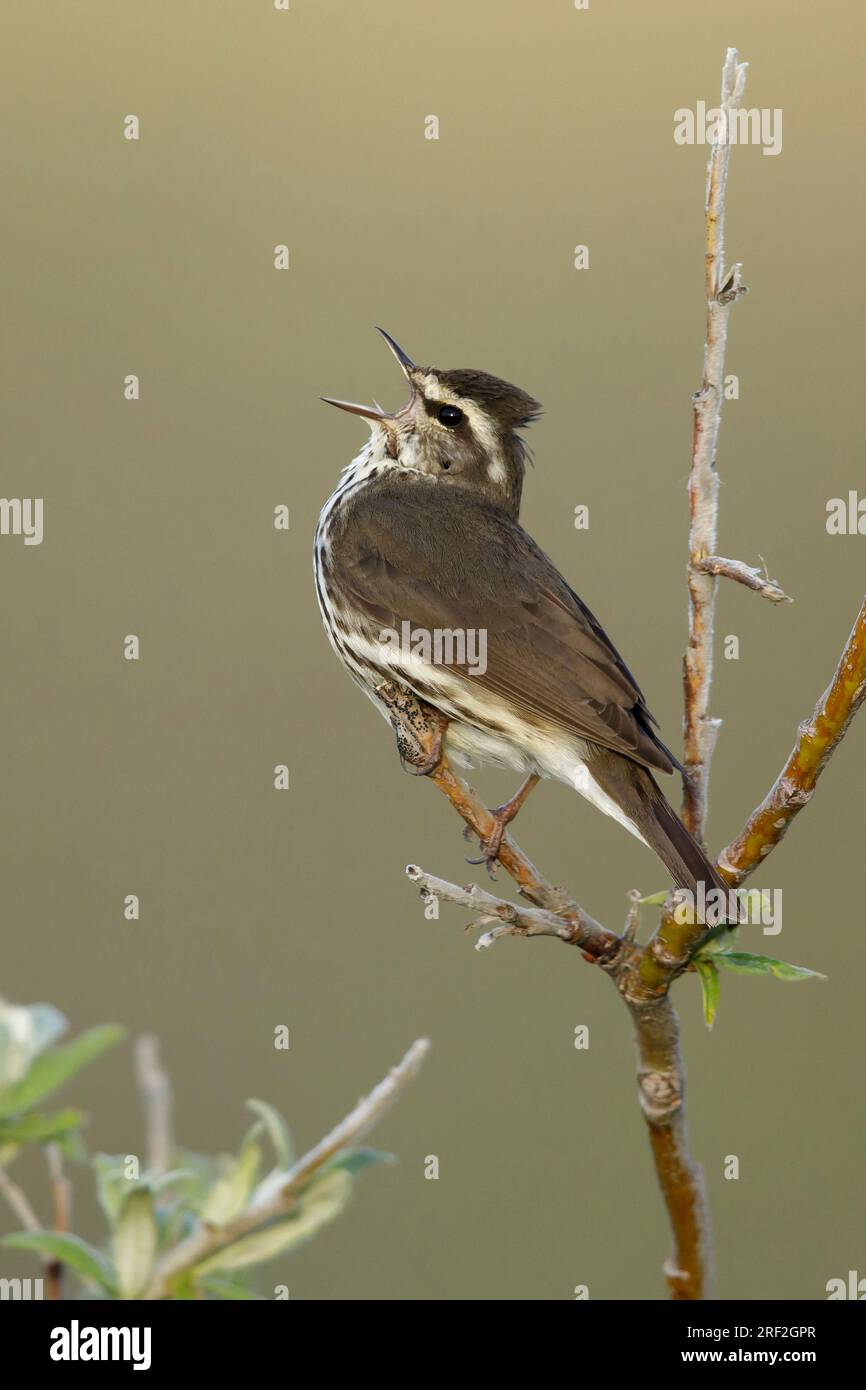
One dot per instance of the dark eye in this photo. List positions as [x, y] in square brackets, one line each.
[450, 415]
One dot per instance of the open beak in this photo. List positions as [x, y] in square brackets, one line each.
[403, 358]
[373, 412]
[369, 412]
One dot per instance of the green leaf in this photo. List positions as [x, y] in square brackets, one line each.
[175, 1177]
[25, 1031]
[87, 1261]
[134, 1240]
[717, 939]
[54, 1068]
[112, 1184]
[182, 1288]
[656, 899]
[744, 963]
[354, 1160]
[72, 1146]
[39, 1129]
[227, 1289]
[709, 977]
[278, 1131]
[230, 1192]
[322, 1201]
[202, 1172]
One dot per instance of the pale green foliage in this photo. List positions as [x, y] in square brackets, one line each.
[150, 1214]
[711, 957]
[33, 1067]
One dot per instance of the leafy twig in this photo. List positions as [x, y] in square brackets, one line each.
[276, 1194]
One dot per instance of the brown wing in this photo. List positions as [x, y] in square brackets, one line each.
[429, 555]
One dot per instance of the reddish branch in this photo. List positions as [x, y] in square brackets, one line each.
[817, 738]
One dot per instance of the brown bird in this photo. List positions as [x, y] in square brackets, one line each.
[421, 538]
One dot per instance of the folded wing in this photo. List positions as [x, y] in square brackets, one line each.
[548, 659]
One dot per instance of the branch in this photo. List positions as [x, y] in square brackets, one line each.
[514, 920]
[817, 740]
[723, 287]
[61, 1208]
[61, 1193]
[661, 1080]
[744, 574]
[19, 1203]
[155, 1089]
[418, 732]
[661, 1092]
[276, 1194]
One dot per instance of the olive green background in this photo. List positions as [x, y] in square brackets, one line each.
[260, 908]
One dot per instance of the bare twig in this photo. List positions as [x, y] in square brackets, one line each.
[817, 739]
[61, 1212]
[19, 1203]
[514, 920]
[418, 733]
[276, 1194]
[744, 574]
[723, 287]
[155, 1089]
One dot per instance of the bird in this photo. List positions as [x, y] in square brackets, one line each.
[422, 536]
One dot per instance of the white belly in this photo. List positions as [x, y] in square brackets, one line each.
[517, 746]
[551, 756]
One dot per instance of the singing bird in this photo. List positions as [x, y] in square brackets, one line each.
[423, 530]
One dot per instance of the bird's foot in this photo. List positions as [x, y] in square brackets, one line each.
[491, 844]
[423, 764]
[418, 728]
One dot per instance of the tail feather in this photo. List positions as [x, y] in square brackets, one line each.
[678, 850]
[641, 800]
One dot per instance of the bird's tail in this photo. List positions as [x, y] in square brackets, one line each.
[642, 801]
[675, 846]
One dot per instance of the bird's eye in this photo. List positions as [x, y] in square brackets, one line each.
[450, 415]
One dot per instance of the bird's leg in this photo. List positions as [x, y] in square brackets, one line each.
[503, 816]
[418, 728]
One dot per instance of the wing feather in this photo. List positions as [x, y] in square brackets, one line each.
[549, 661]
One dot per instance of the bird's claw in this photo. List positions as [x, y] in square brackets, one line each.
[491, 844]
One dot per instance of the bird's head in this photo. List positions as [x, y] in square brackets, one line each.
[459, 427]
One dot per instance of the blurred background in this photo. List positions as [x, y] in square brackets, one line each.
[258, 907]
